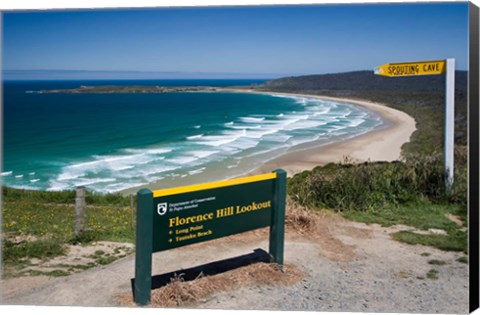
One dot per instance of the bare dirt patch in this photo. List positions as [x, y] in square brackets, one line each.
[454, 218]
[34, 273]
[322, 228]
[457, 220]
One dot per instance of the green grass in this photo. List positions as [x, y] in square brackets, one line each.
[14, 253]
[463, 260]
[99, 253]
[437, 262]
[105, 260]
[102, 258]
[455, 242]
[73, 267]
[48, 218]
[53, 273]
[29, 216]
[432, 274]
[422, 216]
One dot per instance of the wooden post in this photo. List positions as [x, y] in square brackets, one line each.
[80, 211]
[277, 227]
[131, 210]
[143, 248]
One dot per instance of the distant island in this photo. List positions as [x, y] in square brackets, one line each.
[356, 84]
[111, 89]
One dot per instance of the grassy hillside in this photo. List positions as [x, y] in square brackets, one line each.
[364, 80]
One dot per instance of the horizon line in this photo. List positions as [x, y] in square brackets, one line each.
[63, 74]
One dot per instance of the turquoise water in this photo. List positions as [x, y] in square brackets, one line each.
[112, 142]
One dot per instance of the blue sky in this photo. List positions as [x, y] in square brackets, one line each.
[232, 42]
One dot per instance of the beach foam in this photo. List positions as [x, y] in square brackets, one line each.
[252, 119]
[236, 138]
[195, 137]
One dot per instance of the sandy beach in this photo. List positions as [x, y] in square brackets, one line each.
[382, 144]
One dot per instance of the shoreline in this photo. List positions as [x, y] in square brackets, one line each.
[380, 144]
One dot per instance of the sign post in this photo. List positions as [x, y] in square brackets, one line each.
[433, 68]
[449, 121]
[143, 248]
[180, 216]
[277, 227]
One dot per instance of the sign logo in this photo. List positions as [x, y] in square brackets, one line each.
[162, 208]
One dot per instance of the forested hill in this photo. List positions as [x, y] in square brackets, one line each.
[363, 81]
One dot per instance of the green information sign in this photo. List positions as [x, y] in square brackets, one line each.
[192, 217]
[175, 217]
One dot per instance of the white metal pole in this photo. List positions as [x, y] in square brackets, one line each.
[449, 121]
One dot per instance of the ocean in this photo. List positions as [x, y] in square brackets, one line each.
[113, 142]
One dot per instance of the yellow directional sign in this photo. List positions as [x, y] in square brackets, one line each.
[446, 66]
[411, 68]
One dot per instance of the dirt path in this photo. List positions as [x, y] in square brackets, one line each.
[357, 268]
[347, 266]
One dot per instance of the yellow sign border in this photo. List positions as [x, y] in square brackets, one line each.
[204, 186]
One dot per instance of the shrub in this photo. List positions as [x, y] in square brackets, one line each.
[371, 185]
